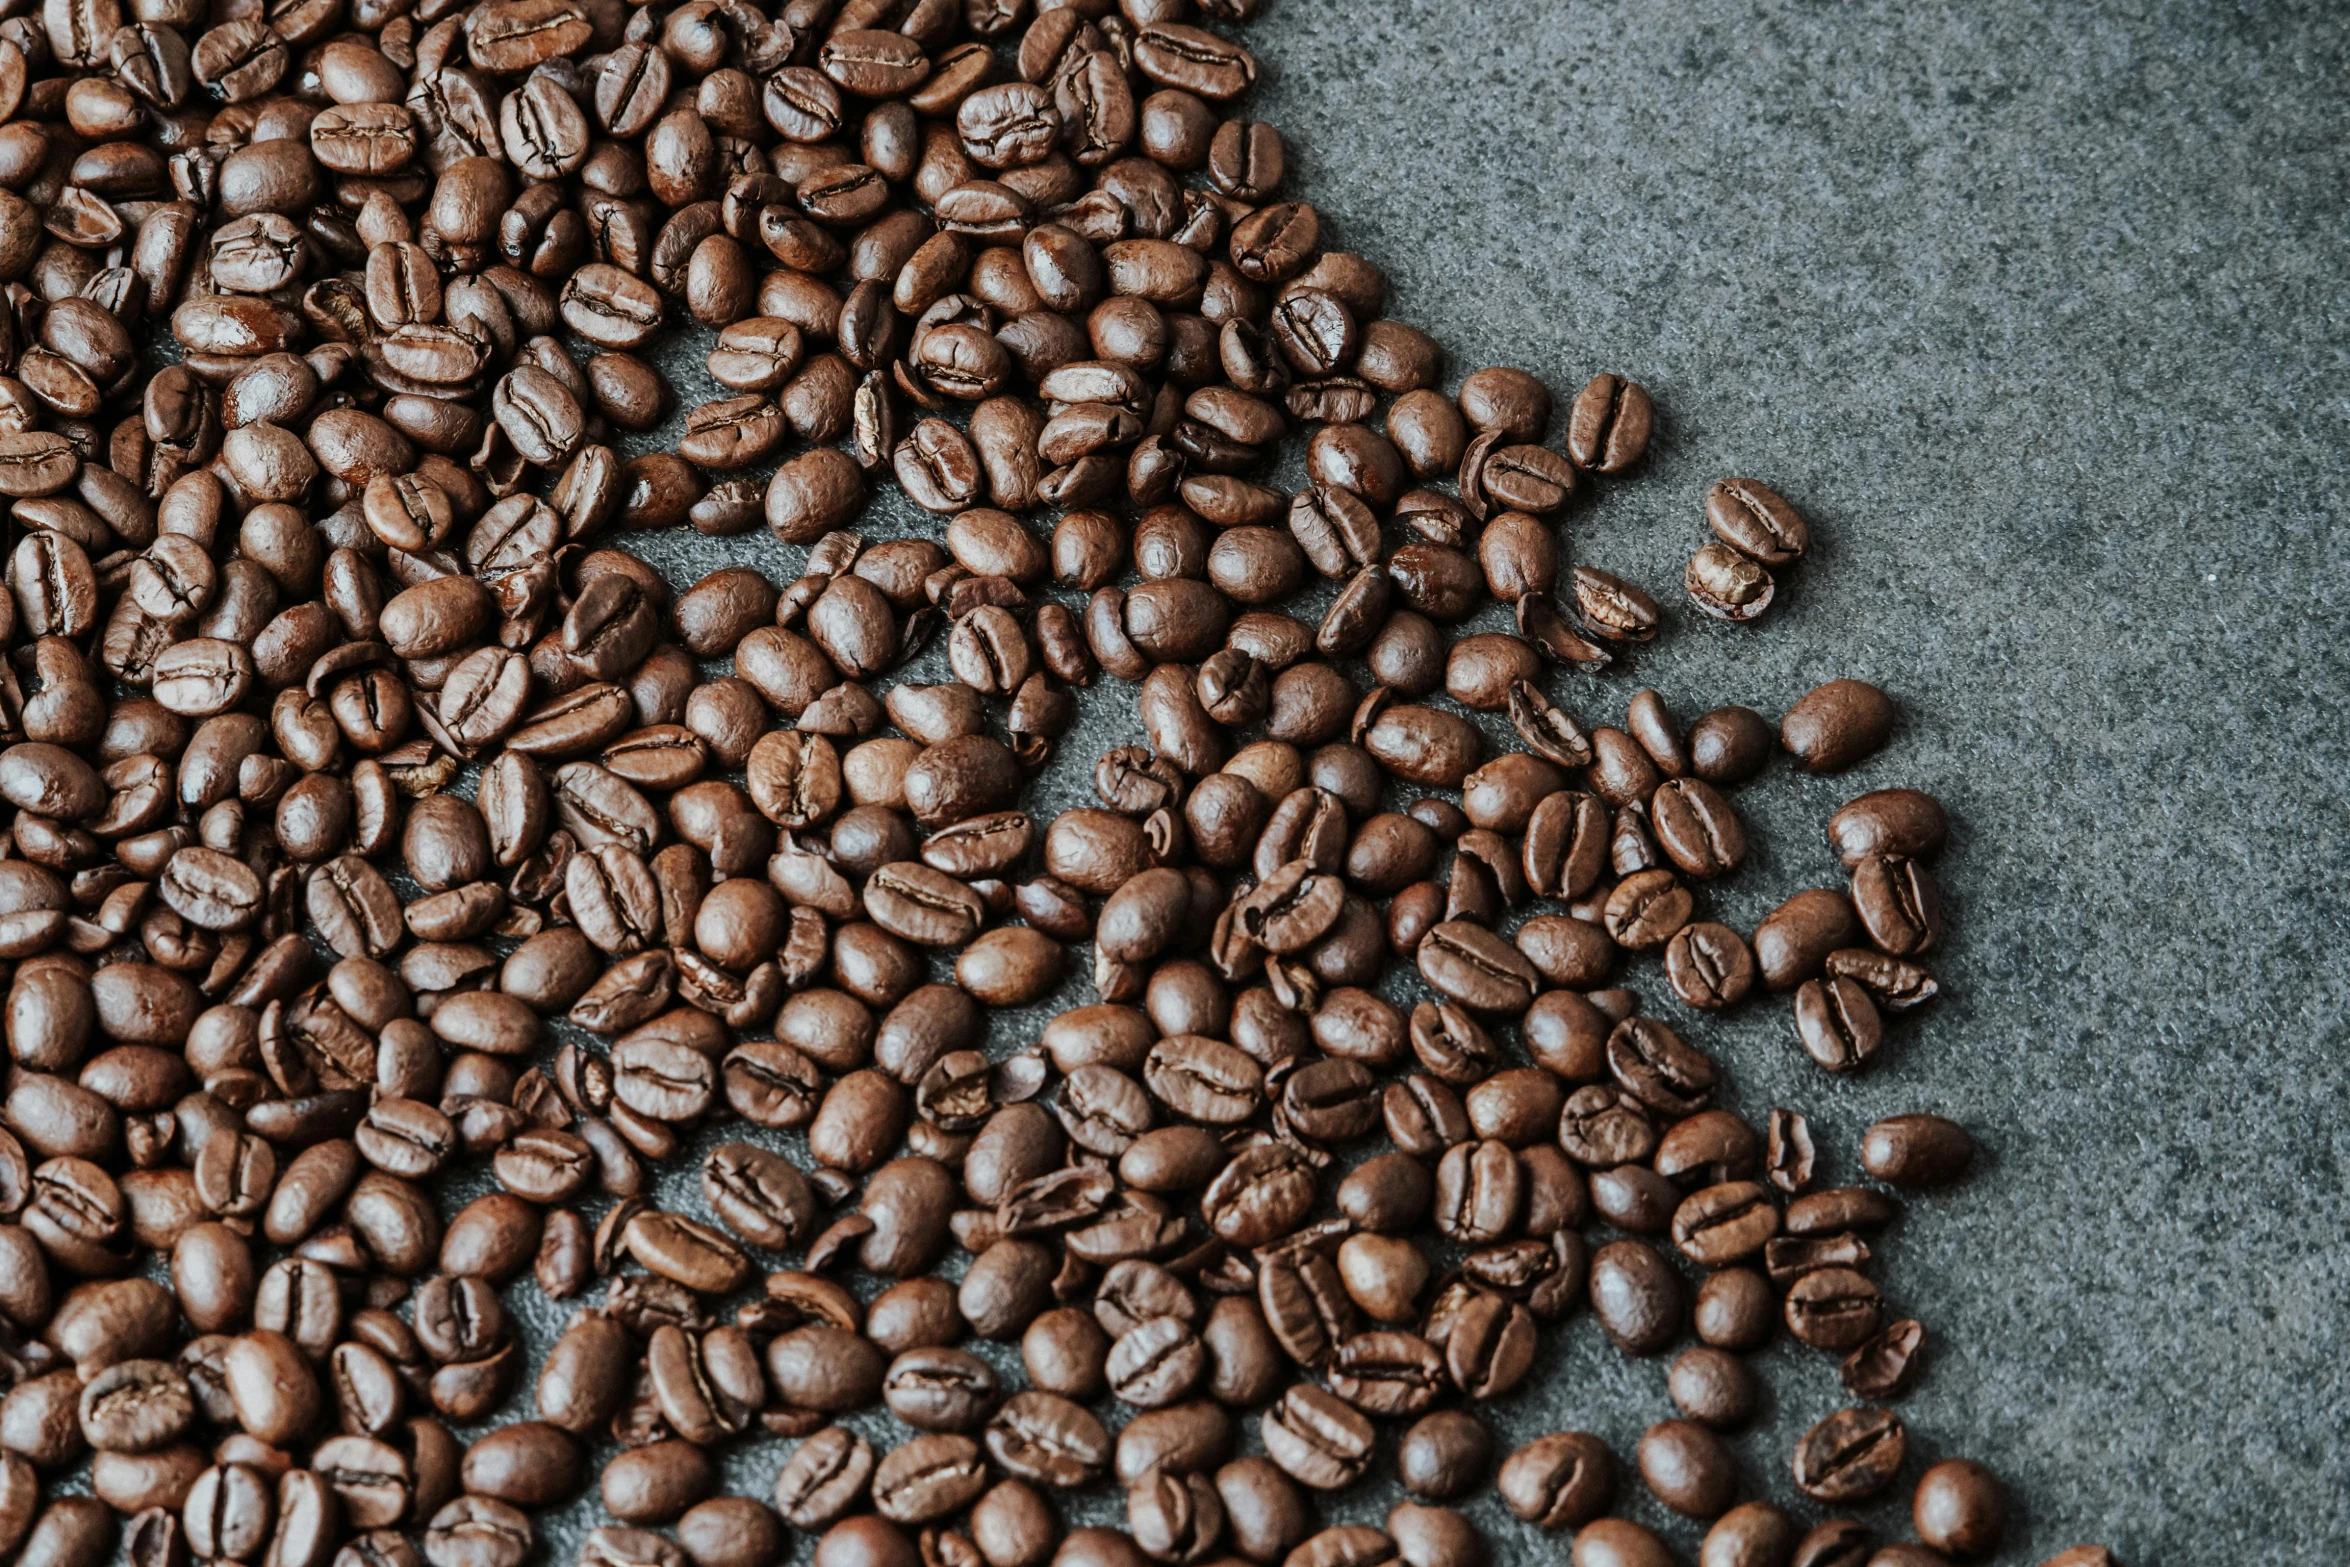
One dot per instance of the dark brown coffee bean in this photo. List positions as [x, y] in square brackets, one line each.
[1836, 725]
[1959, 1509]
[1752, 519]
[1837, 1023]
[1444, 1455]
[1636, 1297]
[1646, 909]
[1902, 823]
[1883, 1366]
[1729, 745]
[1476, 968]
[1697, 828]
[1725, 585]
[1688, 1468]
[1917, 1151]
[1045, 1439]
[1792, 943]
[1318, 1440]
[1752, 1534]
[1608, 426]
[1898, 904]
[1709, 966]
[1850, 1456]
[1560, 1481]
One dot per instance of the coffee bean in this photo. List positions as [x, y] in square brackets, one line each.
[1688, 1468]
[1612, 1542]
[1898, 904]
[1608, 427]
[1476, 968]
[1840, 1208]
[1636, 1297]
[1752, 1534]
[1917, 1151]
[1754, 520]
[655, 1483]
[1850, 1456]
[1713, 1388]
[1833, 1308]
[1835, 1541]
[1709, 966]
[1727, 586]
[1560, 1481]
[1789, 1154]
[865, 1542]
[1444, 1455]
[1792, 943]
[1729, 745]
[1836, 725]
[135, 1406]
[1902, 823]
[731, 1531]
[1884, 1365]
[1317, 1440]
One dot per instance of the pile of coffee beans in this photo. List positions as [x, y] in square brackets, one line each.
[389, 839]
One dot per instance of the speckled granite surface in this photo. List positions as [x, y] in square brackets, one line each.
[2037, 310]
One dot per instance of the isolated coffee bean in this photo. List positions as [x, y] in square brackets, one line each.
[1834, 726]
[1916, 1151]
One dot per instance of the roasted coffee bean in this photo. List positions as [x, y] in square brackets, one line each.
[1560, 1481]
[1850, 1456]
[1836, 725]
[1901, 823]
[1752, 1534]
[1917, 1151]
[1318, 1440]
[1709, 966]
[1883, 1366]
[1752, 519]
[1636, 1297]
[1725, 585]
[1834, 1541]
[1959, 1509]
[1608, 426]
[1839, 1209]
[1837, 1023]
[1792, 943]
[1898, 904]
[1444, 1455]
[1688, 1468]
[1729, 745]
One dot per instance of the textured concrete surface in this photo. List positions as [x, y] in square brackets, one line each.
[2037, 312]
